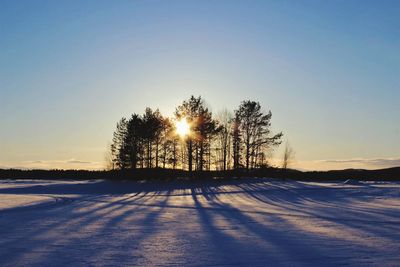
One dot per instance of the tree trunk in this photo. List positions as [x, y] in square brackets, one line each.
[165, 155]
[247, 153]
[201, 156]
[224, 156]
[157, 145]
[174, 156]
[190, 155]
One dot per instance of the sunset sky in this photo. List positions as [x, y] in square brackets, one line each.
[328, 70]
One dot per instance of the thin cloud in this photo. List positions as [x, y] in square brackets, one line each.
[379, 162]
[35, 161]
[75, 161]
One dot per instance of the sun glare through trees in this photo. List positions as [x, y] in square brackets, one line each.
[243, 139]
[182, 127]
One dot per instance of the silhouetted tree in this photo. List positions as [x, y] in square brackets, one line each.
[189, 110]
[152, 125]
[236, 141]
[158, 133]
[173, 160]
[168, 142]
[109, 163]
[202, 128]
[255, 129]
[288, 156]
[118, 146]
[150, 140]
[224, 119]
[133, 139]
[206, 127]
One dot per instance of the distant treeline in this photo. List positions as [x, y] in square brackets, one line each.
[170, 174]
[194, 139]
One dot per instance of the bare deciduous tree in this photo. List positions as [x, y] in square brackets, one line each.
[108, 158]
[224, 118]
[288, 156]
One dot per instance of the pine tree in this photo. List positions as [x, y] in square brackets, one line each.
[203, 127]
[255, 129]
[118, 146]
[236, 141]
[133, 139]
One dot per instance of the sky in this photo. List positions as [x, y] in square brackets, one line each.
[328, 70]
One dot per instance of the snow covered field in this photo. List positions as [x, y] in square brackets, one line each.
[247, 223]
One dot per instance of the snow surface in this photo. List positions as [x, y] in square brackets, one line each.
[251, 222]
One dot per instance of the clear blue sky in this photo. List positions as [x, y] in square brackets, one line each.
[328, 70]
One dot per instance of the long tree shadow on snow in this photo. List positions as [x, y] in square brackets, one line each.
[276, 234]
[227, 227]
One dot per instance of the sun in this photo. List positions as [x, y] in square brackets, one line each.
[182, 127]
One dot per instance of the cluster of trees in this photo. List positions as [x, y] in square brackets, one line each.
[242, 139]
